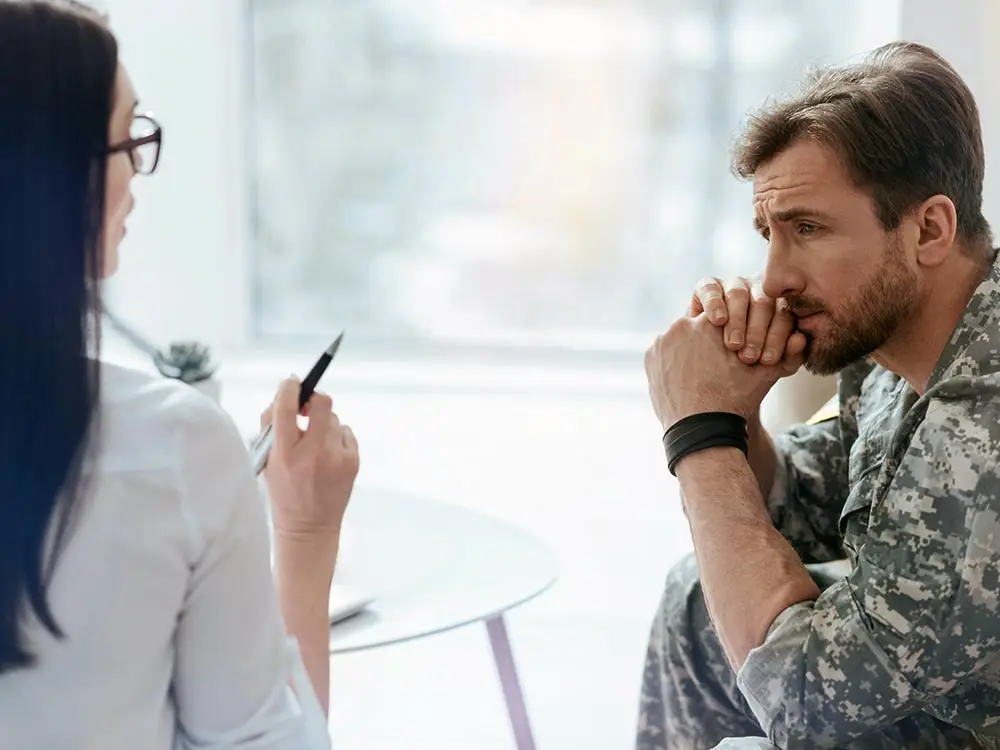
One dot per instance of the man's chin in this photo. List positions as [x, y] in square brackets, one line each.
[826, 362]
[821, 367]
[815, 359]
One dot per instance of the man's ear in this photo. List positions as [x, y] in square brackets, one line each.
[936, 224]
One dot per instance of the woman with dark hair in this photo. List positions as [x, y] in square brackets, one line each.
[138, 608]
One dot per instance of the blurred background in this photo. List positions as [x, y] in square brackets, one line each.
[503, 202]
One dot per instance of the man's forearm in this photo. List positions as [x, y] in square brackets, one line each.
[749, 573]
[762, 455]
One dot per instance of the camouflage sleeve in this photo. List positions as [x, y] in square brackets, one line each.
[917, 615]
[811, 484]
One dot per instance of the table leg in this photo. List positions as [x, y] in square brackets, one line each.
[507, 670]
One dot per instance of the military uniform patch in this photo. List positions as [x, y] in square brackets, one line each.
[829, 410]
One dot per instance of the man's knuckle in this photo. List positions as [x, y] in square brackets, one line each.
[678, 325]
[707, 282]
[775, 336]
[737, 283]
[738, 293]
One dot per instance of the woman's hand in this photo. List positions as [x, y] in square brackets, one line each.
[310, 473]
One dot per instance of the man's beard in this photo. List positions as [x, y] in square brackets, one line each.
[868, 319]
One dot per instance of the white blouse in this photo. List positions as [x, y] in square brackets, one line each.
[174, 637]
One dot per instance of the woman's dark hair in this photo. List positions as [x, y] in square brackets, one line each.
[58, 64]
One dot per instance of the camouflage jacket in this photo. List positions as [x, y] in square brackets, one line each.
[908, 489]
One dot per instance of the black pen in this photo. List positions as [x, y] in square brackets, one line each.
[261, 447]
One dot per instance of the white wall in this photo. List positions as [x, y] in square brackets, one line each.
[186, 247]
[186, 244]
[967, 33]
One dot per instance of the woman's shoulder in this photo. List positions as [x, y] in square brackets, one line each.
[147, 419]
[158, 436]
[154, 401]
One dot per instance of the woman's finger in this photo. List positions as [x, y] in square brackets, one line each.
[321, 418]
[285, 411]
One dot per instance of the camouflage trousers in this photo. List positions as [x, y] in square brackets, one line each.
[690, 700]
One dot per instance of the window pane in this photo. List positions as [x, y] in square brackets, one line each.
[509, 171]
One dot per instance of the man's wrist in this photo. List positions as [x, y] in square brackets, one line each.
[702, 431]
[709, 459]
[755, 427]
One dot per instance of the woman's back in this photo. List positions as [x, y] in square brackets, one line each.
[137, 604]
[165, 575]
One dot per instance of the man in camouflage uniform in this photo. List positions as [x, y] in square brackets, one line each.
[880, 267]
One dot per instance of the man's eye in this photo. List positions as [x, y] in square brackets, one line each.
[807, 228]
[765, 233]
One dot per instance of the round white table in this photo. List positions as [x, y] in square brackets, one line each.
[434, 567]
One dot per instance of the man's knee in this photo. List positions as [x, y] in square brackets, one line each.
[682, 630]
[745, 743]
[689, 693]
[682, 607]
[685, 639]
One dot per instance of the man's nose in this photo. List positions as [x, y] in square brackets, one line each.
[781, 278]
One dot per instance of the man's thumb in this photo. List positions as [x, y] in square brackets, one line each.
[795, 351]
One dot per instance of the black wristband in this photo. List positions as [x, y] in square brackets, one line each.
[714, 429]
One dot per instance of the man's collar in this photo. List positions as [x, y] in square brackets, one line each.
[974, 346]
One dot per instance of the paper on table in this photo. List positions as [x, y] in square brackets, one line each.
[347, 600]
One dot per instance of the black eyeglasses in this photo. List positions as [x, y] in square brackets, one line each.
[143, 148]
